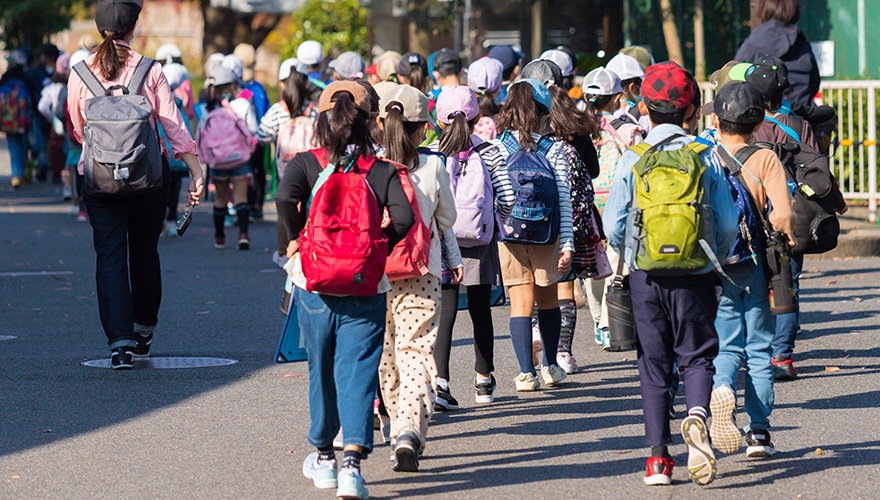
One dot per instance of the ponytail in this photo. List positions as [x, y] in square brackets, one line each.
[341, 126]
[110, 57]
[399, 146]
[521, 114]
[596, 103]
[456, 137]
[486, 101]
[294, 93]
[419, 80]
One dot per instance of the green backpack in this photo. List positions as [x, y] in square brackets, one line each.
[671, 219]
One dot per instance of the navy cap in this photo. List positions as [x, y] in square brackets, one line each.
[119, 16]
[738, 102]
[505, 53]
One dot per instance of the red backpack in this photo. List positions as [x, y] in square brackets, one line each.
[342, 247]
[409, 258]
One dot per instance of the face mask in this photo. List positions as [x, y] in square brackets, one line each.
[226, 97]
[629, 103]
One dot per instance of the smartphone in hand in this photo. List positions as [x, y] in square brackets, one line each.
[184, 221]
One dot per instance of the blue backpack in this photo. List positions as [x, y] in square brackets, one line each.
[534, 219]
[749, 242]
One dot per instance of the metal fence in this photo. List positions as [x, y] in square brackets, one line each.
[853, 154]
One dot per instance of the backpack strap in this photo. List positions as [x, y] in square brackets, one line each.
[431, 152]
[785, 128]
[743, 155]
[483, 146]
[644, 148]
[318, 83]
[140, 75]
[617, 123]
[697, 147]
[89, 79]
[734, 165]
[544, 145]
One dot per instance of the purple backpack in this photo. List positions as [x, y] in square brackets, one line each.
[474, 198]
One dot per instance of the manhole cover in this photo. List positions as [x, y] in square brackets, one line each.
[7, 337]
[165, 363]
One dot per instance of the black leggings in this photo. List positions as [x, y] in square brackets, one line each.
[484, 332]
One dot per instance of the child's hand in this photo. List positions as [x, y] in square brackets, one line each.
[457, 275]
[564, 262]
[292, 248]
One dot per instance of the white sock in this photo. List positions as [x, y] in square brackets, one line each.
[481, 378]
[443, 383]
[143, 330]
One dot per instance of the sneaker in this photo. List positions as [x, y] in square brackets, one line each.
[121, 358]
[321, 472]
[337, 441]
[485, 390]
[701, 459]
[82, 216]
[783, 368]
[659, 471]
[606, 339]
[598, 336]
[406, 452]
[220, 242]
[170, 229]
[725, 435]
[526, 382]
[66, 193]
[758, 444]
[351, 485]
[142, 348]
[244, 243]
[445, 401]
[16, 182]
[279, 260]
[567, 362]
[229, 221]
[552, 375]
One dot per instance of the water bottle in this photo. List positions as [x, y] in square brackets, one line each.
[782, 298]
[621, 323]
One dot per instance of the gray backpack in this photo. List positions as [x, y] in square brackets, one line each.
[121, 154]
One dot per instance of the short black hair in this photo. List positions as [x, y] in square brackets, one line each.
[673, 118]
[626, 83]
[727, 127]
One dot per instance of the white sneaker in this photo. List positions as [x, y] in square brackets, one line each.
[526, 382]
[279, 259]
[552, 375]
[66, 193]
[567, 362]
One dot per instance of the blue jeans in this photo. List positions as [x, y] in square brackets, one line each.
[17, 153]
[343, 339]
[787, 324]
[745, 330]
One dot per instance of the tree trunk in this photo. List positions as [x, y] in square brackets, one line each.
[699, 42]
[539, 27]
[419, 38]
[670, 32]
[226, 28]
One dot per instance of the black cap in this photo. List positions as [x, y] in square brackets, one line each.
[448, 60]
[409, 61]
[770, 77]
[737, 102]
[546, 72]
[119, 16]
[509, 58]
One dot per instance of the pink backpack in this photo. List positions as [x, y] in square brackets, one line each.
[294, 136]
[342, 247]
[474, 198]
[224, 140]
[409, 258]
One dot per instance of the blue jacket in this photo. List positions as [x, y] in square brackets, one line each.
[260, 100]
[621, 195]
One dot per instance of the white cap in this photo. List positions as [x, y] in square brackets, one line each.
[78, 56]
[600, 81]
[234, 63]
[167, 52]
[175, 73]
[625, 67]
[310, 52]
[561, 59]
[289, 65]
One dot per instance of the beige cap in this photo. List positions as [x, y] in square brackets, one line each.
[357, 91]
[248, 56]
[413, 104]
[383, 88]
[640, 54]
[88, 42]
[386, 65]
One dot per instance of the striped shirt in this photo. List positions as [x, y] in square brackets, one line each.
[495, 158]
[278, 116]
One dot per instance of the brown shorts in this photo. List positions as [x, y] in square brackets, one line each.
[527, 264]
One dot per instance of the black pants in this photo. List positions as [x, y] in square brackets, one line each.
[129, 280]
[675, 319]
[484, 332]
[257, 193]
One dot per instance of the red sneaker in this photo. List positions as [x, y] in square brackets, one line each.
[220, 241]
[783, 368]
[244, 243]
[659, 471]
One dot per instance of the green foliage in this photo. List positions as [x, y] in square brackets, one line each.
[30, 22]
[337, 24]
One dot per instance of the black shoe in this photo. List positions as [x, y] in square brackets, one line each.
[121, 358]
[783, 368]
[143, 345]
[758, 444]
[445, 401]
[406, 452]
[485, 390]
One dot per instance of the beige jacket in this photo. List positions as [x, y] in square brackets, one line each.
[431, 184]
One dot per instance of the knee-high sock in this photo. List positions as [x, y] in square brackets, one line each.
[521, 336]
[568, 309]
[550, 321]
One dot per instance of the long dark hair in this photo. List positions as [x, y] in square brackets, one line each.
[456, 137]
[398, 134]
[110, 57]
[520, 113]
[594, 104]
[213, 95]
[419, 79]
[342, 126]
[486, 101]
[567, 120]
[294, 93]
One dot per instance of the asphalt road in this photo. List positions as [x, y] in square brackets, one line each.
[238, 431]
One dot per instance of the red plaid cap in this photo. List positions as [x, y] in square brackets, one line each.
[668, 82]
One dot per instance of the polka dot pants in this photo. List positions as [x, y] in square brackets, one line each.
[407, 372]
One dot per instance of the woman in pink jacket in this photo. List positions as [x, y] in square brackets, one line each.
[126, 229]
